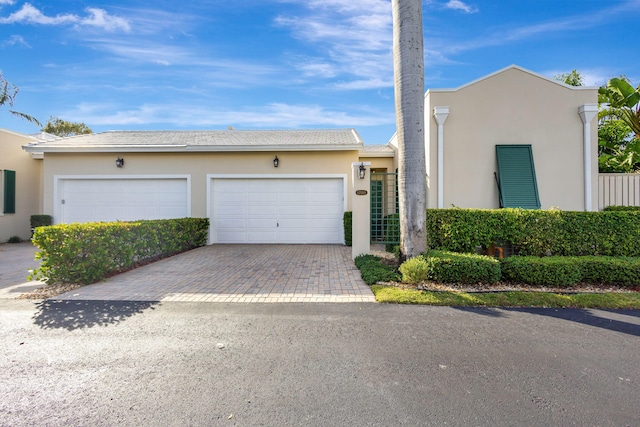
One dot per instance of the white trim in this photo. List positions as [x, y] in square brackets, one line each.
[587, 113]
[43, 148]
[58, 178]
[511, 67]
[211, 176]
[440, 114]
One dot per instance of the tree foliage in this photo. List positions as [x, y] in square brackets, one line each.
[59, 127]
[619, 126]
[572, 79]
[8, 93]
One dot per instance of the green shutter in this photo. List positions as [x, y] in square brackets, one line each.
[9, 192]
[517, 177]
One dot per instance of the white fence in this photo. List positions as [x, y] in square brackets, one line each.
[618, 189]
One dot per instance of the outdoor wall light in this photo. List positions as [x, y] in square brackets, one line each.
[276, 162]
[119, 162]
[362, 171]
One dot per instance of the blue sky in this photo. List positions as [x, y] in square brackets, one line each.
[271, 64]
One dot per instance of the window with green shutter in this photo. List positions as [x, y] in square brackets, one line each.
[9, 186]
[517, 177]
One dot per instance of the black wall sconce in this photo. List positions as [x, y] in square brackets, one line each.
[276, 162]
[119, 162]
[362, 171]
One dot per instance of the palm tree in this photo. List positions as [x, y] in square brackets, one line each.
[622, 101]
[408, 64]
[8, 92]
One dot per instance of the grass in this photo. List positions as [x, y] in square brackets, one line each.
[610, 300]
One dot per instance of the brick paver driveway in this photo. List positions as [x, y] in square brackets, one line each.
[239, 273]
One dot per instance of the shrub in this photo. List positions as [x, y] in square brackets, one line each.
[609, 270]
[373, 270]
[546, 271]
[14, 239]
[621, 209]
[85, 253]
[536, 232]
[347, 222]
[40, 220]
[449, 267]
[414, 270]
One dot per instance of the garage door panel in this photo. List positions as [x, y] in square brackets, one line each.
[278, 210]
[89, 199]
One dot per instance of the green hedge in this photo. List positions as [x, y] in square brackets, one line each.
[347, 222]
[536, 232]
[40, 220]
[85, 253]
[621, 208]
[567, 271]
[392, 232]
[450, 267]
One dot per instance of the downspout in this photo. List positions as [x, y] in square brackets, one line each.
[440, 114]
[587, 113]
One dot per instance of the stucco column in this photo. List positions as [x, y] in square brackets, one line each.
[587, 113]
[361, 208]
[440, 114]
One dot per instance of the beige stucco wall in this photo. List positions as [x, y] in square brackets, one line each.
[511, 107]
[198, 166]
[28, 185]
[387, 163]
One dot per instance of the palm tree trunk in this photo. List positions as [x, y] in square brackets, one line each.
[408, 63]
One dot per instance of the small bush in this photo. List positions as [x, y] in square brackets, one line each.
[546, 271]
[414, 270]
[14, 239]
[450, 267]
[373, 270]
[40, 220]
[609, 270]
[347, 222]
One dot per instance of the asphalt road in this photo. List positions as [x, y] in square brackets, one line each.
[78, 363]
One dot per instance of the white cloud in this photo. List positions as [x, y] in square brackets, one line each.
[353, 40]
[274, 115]
[14, 40]
[9, 2]
[95, 17]
[459, 5]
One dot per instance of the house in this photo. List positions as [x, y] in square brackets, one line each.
[522, 111]
[279, 186]
[20, 185]
[511, 136]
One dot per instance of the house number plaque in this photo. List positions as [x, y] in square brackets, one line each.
[361, 192]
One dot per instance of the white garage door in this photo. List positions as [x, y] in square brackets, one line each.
[277, 210]
[87, 200]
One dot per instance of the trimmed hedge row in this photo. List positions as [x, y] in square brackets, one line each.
[450, 267]
[536, 232]
[567, 271]
[88, 252]
[622, 208]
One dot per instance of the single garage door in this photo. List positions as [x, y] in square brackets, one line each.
[294, 210]
[87, 200]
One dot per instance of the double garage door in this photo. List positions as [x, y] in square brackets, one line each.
[293, 210]
[242, 210]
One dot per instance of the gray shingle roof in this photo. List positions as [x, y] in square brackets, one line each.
[208, 140]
